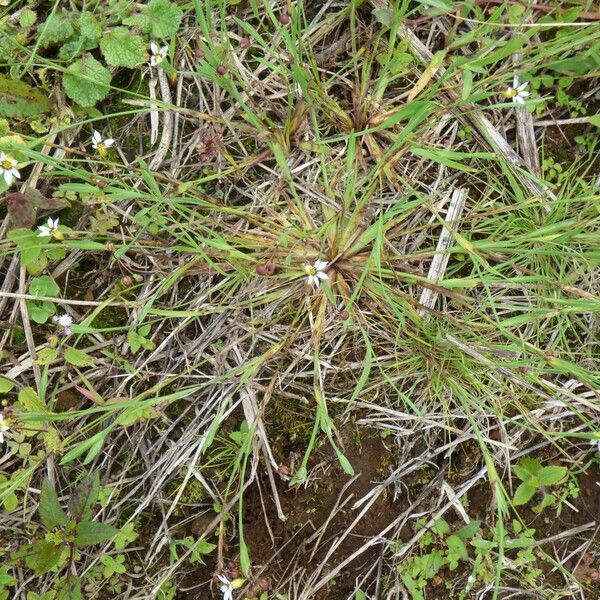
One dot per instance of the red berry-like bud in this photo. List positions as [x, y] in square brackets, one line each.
[127, 281]
[199, 53]
[221, 70]
[245, 42]
[264, 584]
[344, 315]
[102, 184]
[285, 19]
[262, 270]
[270, 266]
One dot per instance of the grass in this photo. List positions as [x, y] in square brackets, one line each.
[218, 392]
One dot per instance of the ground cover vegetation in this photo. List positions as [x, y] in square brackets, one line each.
[299, 299]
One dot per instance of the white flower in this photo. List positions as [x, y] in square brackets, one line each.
[8, 168]
[316, 272]
[3, 428]
[158, 54]
[50, 229]
[228, 586]
[517, 92]
[99, 144]
[65, 321]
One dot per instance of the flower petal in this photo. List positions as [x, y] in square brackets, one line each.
[97, 137]
[108, 142]
[515, 81]
[15, 173]
[519, 100]
[8, 177]
[524, 94]
[322, 275]
[320, 265]
[522, 86]
[154, 47]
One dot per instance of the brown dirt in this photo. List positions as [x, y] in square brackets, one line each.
[308, 509]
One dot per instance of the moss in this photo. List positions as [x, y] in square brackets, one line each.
[109, 317]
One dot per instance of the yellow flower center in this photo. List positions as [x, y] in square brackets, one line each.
[6, 164]
[511, 93]
[311, 271]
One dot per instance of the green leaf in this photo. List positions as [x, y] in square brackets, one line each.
[595, 120]
[5, 578]
[121, 48]
[87, 81]
[457, 547]
[18, 99]
[6, 385]
[43, 286]
[44, 556]
[31, 402]
[524, 493]
[468, 531]
[84, 497]
[55, 29]
[440, 527]
[77, 357]
[90, 533]
[162, 18]
[90, 26]
[51, 512]
[125, 536]
[27, 18]
[551, 475]
[69, 588]
[46, 355]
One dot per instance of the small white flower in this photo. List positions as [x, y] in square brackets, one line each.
[316, 272]
[3, 428]
[8, 168]
[228, 586]
[50, 229]
[157, 54]
[517, 92]
[100, 144]
[65, 321]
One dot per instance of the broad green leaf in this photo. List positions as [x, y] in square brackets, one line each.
[595, 120]
[441, 527]
[162, 18]
[84, 497]
[6, 385]
[77, 357]
[43, 557]
[27, 18]
[18, 99]
[43, 286]
[90, 533]
[69, 588]
[121, 48]
[31, 402]
[55, 29]
[524, 493]
[90, 26]
[87, 81]
[551, 475]
[457, 546]
[51, 512]
[468, 531]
